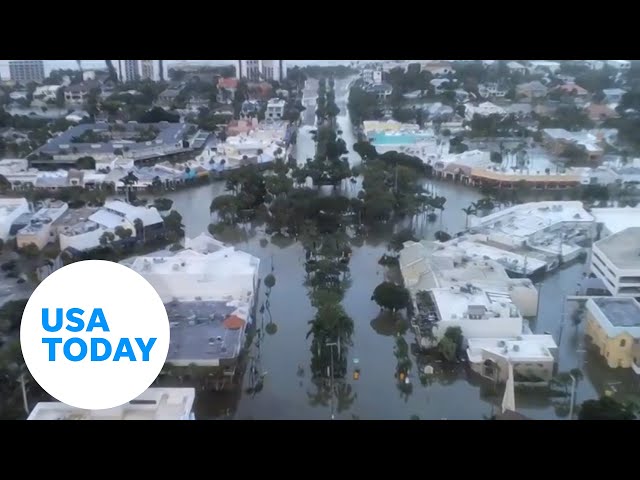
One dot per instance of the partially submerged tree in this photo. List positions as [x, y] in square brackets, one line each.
[391, 296]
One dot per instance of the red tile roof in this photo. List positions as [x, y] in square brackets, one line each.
[234, 322]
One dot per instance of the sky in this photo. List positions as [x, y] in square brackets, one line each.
[88, 64]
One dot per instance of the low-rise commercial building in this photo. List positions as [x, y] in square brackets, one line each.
[613, 325]
[614, 220]
[141, 143]
[533, 358]
[209, 291]
[40, 230]
[479, 313]
[426, 265]
[275, 109]
[10, 210]
[85, 235]
[554, 229]
[616, 261]
[153, 404]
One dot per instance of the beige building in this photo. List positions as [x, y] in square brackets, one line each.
[613, 325]
[40, 230]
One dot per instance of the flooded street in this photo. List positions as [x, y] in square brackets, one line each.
[284, 357]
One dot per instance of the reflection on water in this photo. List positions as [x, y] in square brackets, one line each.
[278, 382]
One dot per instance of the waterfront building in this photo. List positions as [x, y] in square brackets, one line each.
[209, 290]
[85, 235]
[613, 325]
[153, 404]
[10, 210]
[616, 261]
[533, 358]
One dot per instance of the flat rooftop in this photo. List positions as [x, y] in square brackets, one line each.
[620, 312]
[617, 219]
[455, 302]
[510, 260]
[154, 404]
[9, 205]
[622, 248]
[74, 216]
[529, 218]
[198, 333]
[521, 348]
[168, 135]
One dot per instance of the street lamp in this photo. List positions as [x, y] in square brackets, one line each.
[573, 395]
[332, 344]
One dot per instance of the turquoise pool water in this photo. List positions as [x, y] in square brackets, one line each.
[403, 139]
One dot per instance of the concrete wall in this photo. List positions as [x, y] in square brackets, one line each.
[502, 327]
[20, 206]
[40, 237]
[82, 242]
[542, 369]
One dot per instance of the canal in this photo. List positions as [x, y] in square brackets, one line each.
[283, 358]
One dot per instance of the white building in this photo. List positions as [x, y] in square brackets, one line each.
[616, 261]
[479, 313]
[259, 70]
[487, 90]
[619, 64]
[595, 64]
[206, 269]
[532, 357]
[372, 75]
[154, 404]
[484, 110]
[275, 109]
[552, 228]
[40, 230]
[46, 93]
[614, 220]
[427, 265]
[542, 65]
[203, 286]
[10, 210]
[86, 234]
[515, 67]
[130, 70]
[613, 95]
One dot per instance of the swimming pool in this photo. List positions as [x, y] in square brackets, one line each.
[402, 139]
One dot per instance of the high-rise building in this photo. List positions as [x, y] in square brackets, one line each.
[146, 67]
[131, 70]
[25, 71]
[258, 70]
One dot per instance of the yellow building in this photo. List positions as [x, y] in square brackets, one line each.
[613, 325]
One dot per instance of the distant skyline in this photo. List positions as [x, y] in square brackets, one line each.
[90, 64]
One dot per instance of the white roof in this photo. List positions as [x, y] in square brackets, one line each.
[522, 348]
[509, 260]
[528, 218]
[8, 205]
[154, 404]
[617, 219]
[453, 303]
[149, 216]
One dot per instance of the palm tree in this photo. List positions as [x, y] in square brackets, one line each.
[129, 180]
[139, 226]
[470, 210]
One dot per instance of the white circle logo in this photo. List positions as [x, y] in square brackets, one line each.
[95, 335]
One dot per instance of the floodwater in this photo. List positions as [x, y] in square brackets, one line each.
[284, 357]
